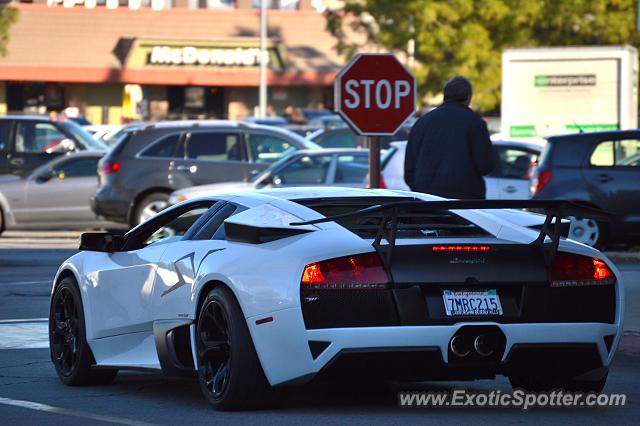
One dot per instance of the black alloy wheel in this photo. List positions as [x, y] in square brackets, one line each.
[214, 348]
[64, 332]
[69, 350]
[229, 372]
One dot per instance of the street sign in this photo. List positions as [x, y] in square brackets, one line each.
[375, 94]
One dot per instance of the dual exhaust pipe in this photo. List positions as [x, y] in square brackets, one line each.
[483, 345]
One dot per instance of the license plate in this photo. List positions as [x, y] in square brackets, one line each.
[469, 303]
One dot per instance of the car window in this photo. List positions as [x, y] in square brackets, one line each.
[176, 228]
[307, 170]
[340, 139]
[351, 168]
[214, 146]
[266, 148]
[5, 134]
[77, 167]
[165, 147]
[515, 162]
[39, 138]
[628, 153]
[620, 153]
[214, 228]
[603, 154]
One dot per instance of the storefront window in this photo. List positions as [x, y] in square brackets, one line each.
[211, 4]
[278, 4]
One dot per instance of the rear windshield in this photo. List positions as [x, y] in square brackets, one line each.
[414, 224]
[545, 154]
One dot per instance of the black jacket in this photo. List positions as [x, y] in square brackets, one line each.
[448, 152]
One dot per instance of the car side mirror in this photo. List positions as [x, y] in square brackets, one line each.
[45, 177]
[101, 241]
[68, 145]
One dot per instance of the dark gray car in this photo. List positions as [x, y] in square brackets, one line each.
[151, 161]
[601, 169]
[53, 196]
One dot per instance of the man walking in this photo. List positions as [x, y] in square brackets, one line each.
[449, 149]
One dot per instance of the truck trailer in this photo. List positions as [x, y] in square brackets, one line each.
[558, 90]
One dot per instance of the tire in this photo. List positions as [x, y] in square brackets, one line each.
[588, 231]
[229, 372]
[1, 221]
[540, 384]
[148, 206]
[69, 350]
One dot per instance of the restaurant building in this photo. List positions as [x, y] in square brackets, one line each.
[121, 64]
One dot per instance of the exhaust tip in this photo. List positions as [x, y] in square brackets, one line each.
[459, 347]
[482, 347]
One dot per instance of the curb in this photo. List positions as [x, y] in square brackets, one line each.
[630, 343]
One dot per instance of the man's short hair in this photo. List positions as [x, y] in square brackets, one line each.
[457, 89]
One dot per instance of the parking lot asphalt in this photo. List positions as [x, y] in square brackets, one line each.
[30, 392]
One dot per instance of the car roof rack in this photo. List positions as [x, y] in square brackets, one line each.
[555, 210]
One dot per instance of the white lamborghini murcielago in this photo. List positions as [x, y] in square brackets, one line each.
[252, 291]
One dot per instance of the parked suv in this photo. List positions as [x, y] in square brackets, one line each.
[601, 169]
[151, 161]
[27, 142]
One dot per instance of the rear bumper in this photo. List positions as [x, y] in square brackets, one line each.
[284, 350]
[113, 209]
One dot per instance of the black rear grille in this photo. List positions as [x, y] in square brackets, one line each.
[348, 308]
[422, 304]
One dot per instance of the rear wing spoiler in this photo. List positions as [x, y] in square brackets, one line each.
[555, 210]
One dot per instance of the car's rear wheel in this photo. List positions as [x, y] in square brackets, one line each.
[229, 372]
[587, 231]
[149, 206]
[537, 383]
[69, 349]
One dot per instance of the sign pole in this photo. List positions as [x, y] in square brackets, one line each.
[262, 108]
[374, 161]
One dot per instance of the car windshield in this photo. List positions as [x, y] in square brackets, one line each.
[87, 141]
[112, 139]
[274, 166]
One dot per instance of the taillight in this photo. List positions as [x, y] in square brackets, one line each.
[383, 184]
[531, 169]
[108, 167]
[539, 180]
[573, 270]
[359, 272]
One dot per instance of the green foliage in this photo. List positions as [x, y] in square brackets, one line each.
[467, 36]
[8, 15]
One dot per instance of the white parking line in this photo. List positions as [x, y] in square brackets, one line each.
[27, 282]
[10, 321]
[82, 414]
[24, 334]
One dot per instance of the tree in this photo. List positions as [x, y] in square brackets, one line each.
[467, 36]
[8, 15]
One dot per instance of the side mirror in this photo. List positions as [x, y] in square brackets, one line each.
[68, 145]
[101, 241]
[45, 177]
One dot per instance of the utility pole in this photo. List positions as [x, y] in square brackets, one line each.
[262, 110]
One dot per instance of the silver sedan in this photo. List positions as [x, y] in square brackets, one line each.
[53, 196]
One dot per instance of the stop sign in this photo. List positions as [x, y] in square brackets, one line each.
[375, 94]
